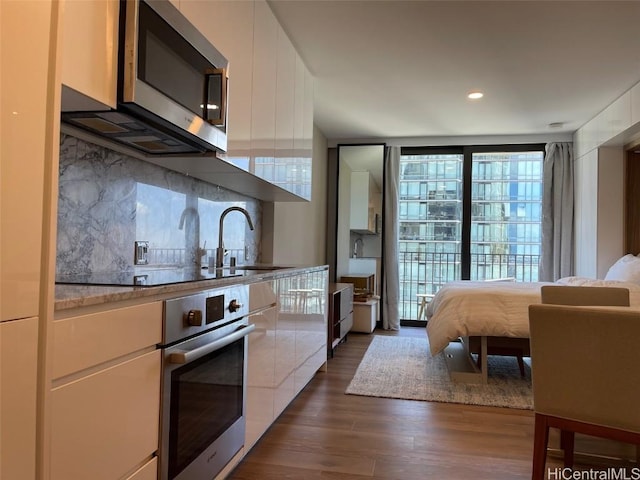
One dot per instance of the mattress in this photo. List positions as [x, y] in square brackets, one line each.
[498, 309]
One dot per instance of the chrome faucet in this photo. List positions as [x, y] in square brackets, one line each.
[196, 252]
[220, 250]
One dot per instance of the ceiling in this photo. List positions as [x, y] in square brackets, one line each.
[389, 69]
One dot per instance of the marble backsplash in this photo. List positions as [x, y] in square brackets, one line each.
[107, 201]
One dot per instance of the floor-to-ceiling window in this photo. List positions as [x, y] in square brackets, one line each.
[467, 213]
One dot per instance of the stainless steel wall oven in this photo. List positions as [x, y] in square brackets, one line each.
[204, 382]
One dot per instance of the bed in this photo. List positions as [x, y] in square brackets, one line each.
[493, 318]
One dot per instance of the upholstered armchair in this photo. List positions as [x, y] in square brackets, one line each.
[585, 367]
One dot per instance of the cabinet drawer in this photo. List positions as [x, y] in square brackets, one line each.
[87, 340]
[346, 301]
[261, 295]
[105, 424]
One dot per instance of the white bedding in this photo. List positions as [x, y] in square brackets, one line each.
[499, 309]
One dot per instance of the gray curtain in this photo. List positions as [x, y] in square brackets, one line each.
[391, 283]
[557, 212]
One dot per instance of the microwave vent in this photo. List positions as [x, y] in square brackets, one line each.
[99, 125]
[149, 144]
[127, 130]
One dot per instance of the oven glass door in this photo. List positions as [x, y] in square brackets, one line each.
[206, 399]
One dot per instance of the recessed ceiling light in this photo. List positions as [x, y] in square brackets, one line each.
[556, 125]
[475, 95]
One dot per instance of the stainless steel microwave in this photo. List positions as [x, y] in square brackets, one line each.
[172, 85]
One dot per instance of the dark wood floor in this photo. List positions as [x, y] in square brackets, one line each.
[325, 434]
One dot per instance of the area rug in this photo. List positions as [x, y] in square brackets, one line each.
[402, 367]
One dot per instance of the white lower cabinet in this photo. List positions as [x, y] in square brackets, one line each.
[287, 348]
[18, 373]
[285, 359]
[105, 397]
[105, 424]
[260, 375]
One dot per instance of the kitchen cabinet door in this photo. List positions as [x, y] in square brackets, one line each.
[106, 423]
[285, 89]
[311, 326]
[232, 34]
[301, 333]
[285, 358]
[18, 372]
[303, 127]
[24, 126]
[260, 375]
[84, 341]
[89, 54]
[263, 98]
[307, 126]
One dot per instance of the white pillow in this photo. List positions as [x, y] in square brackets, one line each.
[626, 269]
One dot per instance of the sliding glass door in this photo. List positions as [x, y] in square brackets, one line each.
[467, 213]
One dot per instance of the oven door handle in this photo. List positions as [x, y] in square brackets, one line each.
[182, 357]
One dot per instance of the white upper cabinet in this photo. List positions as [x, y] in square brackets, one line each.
[263, 98]
[270, 114]
[89, 54]
[24, 128]
[228, 24]
[285, 98]
[303, 127]
[299, 107]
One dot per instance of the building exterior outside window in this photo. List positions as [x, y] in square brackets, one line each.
[486, 227]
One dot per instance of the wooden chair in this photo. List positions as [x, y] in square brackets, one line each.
[584, 371]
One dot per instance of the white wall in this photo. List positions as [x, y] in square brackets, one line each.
[610, 208]
[294, 232]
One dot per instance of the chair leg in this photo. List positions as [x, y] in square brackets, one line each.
[540, 441]
[567, 440]
[421, 312]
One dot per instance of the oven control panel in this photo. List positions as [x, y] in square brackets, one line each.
[193, 314]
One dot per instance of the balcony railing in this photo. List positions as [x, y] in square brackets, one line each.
[423, 272]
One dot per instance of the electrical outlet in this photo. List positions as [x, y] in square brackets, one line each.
[141, 253]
